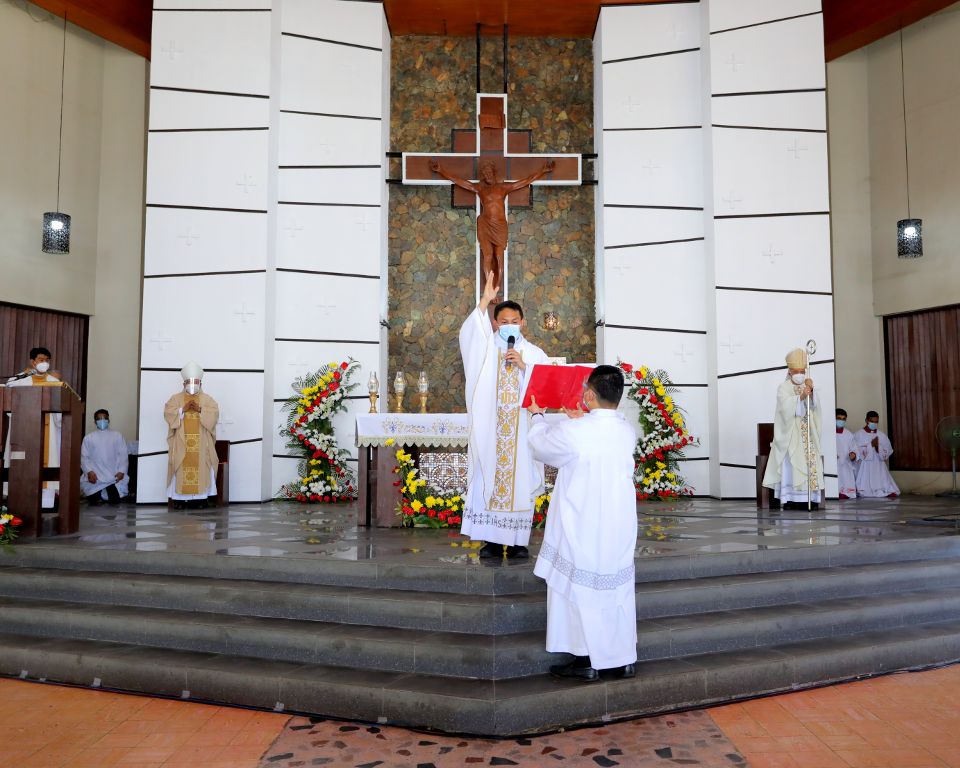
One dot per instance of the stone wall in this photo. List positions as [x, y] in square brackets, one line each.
[432, 246]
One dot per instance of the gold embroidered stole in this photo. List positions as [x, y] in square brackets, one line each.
[188, 476]
[509, 380]
[813, 479]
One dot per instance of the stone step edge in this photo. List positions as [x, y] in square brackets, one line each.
[508, 708]
[473, 579]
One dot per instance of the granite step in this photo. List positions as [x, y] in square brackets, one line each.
[464, 655]
[485, 708]
[452, 612]
[483, 578]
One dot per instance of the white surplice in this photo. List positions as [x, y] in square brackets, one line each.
[502, 477]
[873, 477]
[847, 467]
[591, 534]
[52, 440]
[103, 452]
[790, 466]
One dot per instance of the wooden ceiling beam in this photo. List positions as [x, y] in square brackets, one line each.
[123, 22]
[852, 24]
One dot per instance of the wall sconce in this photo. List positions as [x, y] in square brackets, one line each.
[551, 321]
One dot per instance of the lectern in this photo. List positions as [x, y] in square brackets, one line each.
[26, 473]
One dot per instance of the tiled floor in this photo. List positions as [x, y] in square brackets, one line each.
[286, 529]
[909, 720]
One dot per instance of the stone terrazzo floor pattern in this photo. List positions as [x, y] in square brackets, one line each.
[285, 529]
[907, 720]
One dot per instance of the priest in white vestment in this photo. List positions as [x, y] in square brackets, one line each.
[192, 417]
[847, 458]
[874, 480]
[795, 467]
[103, 463]
[37, 374]
[502, 477]
[591, 534]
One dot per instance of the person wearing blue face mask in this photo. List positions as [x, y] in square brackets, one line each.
[874, 480]
[502, 476]
[103, 462]
[847, 457]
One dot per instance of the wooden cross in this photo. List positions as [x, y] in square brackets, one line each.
[509, 150]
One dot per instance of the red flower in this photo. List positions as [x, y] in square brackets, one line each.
[644, 391]
[16, 521]
[432, 513]
[344, 365]
[2, 528]
[336, 375]
[326, 498]
[627, 367]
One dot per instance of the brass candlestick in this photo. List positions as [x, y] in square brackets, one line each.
[399, 387]
[373, 387]
[423, 402]
[423, 387]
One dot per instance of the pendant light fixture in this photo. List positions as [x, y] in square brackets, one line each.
[56, 224]
[909, 230]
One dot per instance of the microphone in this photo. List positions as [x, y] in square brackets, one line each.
[22, 374]
[511, 340]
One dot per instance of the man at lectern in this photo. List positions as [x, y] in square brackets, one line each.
[191, 416]
[37, 374]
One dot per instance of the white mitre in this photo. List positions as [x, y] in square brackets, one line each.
[191, 371]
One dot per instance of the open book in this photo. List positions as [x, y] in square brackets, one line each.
[557, 386]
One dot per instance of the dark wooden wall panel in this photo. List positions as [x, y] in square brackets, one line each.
[65, 335]
[923, 384]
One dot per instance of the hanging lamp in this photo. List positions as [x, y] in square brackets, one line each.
[56, 224]
[909, 230]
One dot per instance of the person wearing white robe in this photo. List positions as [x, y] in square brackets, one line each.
[502, 477]
[37, 374]
[793, 472]
[103, 463]
[847, 458]
[874, 480]
[587, 554]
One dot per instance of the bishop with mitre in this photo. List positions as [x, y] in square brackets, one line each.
[191, 416]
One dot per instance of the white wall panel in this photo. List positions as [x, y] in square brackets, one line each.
[636, 294]
[682, 354]
[629, 226]
[295, 359]
[771, 57]
[284, 471]
[725, 14]
[181, 240]
[642, 30]
[343, 186]
[769, 172]
[773, 110]
[774, 252]
[694, 403]
[152, 479]
[239, 395]
[697, 475]
[652, 93]
[193, 50]
[217, 320]
[332, 79]
[345, 22]
[246, 462]
[327, 307]
[738, 483]
[330, 238]
[653, 168]
[317, 140]
[756, 329]
[181, 109]
[210, 169]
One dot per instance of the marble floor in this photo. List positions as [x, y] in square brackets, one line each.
[289, 529]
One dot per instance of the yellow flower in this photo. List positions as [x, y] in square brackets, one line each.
[389, 441]
[416, 506]
[300, 411]
[668, 401]
[661, 465]
[661, 391]
[411, 475]
[671, 476]
[430, 501]
[643, 372]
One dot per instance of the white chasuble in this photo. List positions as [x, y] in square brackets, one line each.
[847, 467]
[502, 477]
[590, 538]
[790, 463]
[104, 453]
[873, 477]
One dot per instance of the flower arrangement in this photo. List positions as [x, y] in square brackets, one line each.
[541, 506]
[420, 506]
[664, 434]
[8, 527]
[324, 475]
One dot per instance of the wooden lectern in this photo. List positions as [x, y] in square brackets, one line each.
[26, 474]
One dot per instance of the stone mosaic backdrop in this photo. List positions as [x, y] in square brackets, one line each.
[431, 246]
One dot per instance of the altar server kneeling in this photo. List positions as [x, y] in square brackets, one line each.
[588, 546]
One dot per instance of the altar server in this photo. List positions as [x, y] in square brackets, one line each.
[588, 546]
[103, 462]
[847, 457]
[792, 470]
[502, 477]
[873, 477]
[192, 417]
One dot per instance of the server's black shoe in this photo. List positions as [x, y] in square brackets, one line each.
[578, 669]
[518, 553]
[491, 550]
[113, 495]
[93, 500]
[619, 673]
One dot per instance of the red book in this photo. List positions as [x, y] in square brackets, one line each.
[557, 386]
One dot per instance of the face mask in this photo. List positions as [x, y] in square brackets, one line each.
[871, 426]
[192, 388]
[798, 378]
[506, 331]
[102, 423]
[841, 423]
[42, 367]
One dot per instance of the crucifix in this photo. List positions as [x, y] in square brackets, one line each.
[479, 161]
